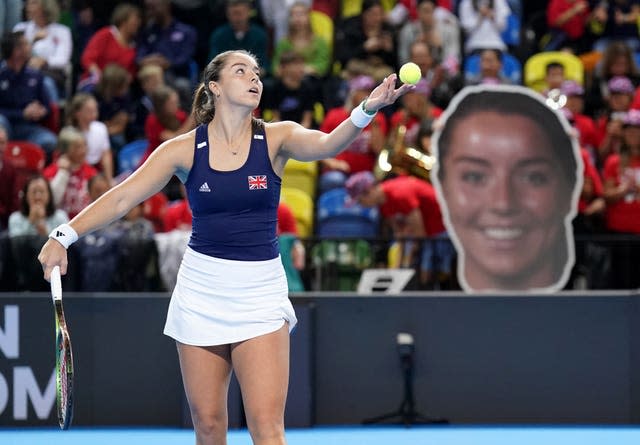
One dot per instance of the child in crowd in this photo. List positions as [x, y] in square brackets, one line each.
[291, 97]
[70, 173]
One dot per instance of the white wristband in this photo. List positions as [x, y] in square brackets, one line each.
[361, 118]
[64, 234]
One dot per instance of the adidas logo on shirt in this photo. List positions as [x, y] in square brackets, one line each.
[204, 188]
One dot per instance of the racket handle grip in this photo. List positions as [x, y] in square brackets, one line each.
[56, 283]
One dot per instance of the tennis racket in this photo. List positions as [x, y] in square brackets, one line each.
[64, 356]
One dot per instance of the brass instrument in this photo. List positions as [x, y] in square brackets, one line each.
[401, 159]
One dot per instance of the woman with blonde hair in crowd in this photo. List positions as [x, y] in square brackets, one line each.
[82, 113]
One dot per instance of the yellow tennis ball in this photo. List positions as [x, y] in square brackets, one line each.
[410, 73]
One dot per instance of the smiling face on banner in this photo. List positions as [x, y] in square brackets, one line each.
[508, 179]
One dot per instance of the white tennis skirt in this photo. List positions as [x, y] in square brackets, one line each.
[218, 301]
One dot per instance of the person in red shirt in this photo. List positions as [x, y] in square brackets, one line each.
[70, 173]
[591, 205]
[609, 125]
[567, 20]
[622, 179]
[177, 215]
[286, 220]
[410, 207]
[292, 251]
[167, 120]
[586, 127]
[9, 188]
[622, 193]
[362, 153]
[408, 9]
[112, 44]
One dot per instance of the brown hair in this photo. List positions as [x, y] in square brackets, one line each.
[113, 79]
[204, 106]
[614, 50]
[24, 204]
[308, 32]
[159, 98]
[74, 105]
[290, 56]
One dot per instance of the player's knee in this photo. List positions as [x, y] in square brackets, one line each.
[266, 429]
[210, 424]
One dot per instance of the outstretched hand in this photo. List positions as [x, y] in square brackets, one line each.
[386, 93]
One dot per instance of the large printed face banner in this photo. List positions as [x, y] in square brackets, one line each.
[508, 177]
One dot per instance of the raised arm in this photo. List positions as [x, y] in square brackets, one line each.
[304, 144]
[151, 177]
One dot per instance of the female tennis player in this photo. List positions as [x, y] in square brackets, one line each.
[230, 307]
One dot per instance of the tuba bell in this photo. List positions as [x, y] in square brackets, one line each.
[401, 159]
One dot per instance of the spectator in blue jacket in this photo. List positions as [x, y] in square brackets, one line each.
[170, 44]
[24, 103]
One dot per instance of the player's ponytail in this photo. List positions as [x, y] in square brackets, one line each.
[204, 107]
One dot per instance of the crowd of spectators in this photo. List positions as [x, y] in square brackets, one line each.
[81, 80]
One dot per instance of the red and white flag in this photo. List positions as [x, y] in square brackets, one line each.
[257, 182]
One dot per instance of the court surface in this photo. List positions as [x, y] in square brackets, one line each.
[356, 435]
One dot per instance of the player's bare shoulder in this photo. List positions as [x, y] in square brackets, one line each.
[278, 132]
[179, 150]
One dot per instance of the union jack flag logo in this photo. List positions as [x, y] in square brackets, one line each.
[257, 182]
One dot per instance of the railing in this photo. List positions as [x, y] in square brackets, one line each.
[609, 261]
[130, 264]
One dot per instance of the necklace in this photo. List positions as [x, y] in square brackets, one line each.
[233, 152]
[229, 146]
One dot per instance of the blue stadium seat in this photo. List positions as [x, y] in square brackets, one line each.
[130, 155]
[511, 67]
[331, 180]
[336, 218]
[516, 7]
[511, 34]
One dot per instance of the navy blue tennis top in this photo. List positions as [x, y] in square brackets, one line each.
[234, 212]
